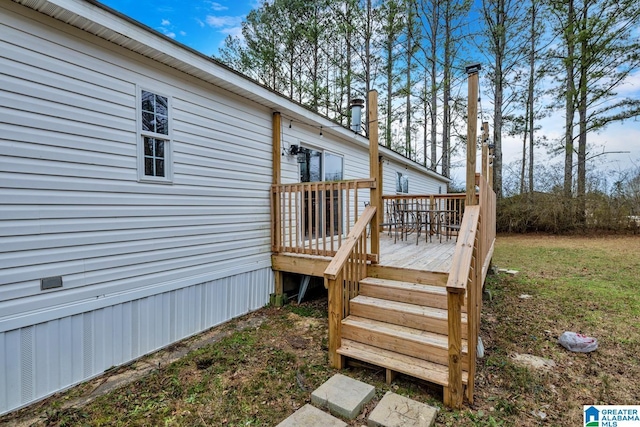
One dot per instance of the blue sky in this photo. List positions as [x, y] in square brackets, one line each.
[199, 24]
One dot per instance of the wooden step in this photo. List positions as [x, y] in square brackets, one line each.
[412, 293]
[400, 339]
[412, 366]
[401, 291]
[404, 314]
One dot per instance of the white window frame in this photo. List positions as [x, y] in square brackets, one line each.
[167, 138]
[302, 145]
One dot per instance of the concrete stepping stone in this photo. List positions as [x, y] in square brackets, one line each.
[343, 396]
[310, 416]
[398, 411]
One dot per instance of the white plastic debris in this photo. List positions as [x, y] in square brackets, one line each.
[578, 343]
[480, 348]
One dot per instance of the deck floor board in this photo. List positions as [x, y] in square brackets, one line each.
[427, 256]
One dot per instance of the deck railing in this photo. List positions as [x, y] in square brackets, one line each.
[452, 203]
[469, 267]
[314, 217]
[342, 278]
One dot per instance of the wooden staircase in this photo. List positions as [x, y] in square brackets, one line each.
[403, 328]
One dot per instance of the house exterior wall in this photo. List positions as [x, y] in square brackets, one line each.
[419, 182]
[143, 264]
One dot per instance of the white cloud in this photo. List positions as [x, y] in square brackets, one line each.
[183, 33]
[171, 34]
[235, 32]
[218, 7]
[631, 86]
[165, 23]
[223, 21]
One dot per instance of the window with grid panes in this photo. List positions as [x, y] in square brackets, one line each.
[155, 137]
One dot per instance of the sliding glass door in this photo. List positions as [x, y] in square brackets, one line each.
[320, 213]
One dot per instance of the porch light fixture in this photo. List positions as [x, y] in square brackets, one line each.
[320, 131]
[356, 107]
[302, 154]
[293, 150]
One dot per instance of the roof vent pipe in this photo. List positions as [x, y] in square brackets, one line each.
[356, 114]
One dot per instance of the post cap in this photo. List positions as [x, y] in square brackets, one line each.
[473, 68]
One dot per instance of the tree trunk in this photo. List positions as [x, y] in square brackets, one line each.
[532, 71]
[569, 106]
[524, 146]
[446, 126]
[582, 117]
[434, 86]
[498, 101]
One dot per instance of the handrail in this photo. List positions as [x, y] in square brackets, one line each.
[342, 278]
[342, 256]
[471, 259]
[462, 274]
[461, 263]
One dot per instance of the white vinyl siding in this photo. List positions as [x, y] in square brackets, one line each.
[70, 202]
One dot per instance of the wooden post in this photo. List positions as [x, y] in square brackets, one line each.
[380, 185]
[454, 392]
[277, 180]
[336, 308]
[485, 161]
[490, 173]
[376, 192]
[485, 150]
[472, 131]
[277, 144]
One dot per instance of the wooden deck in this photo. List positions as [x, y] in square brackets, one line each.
[434, 256]
[425, 256]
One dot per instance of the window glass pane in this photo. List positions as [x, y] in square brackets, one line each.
[161, 105]
[148, 122]
[161, 125]
[332, 167]
[159, 148]
[398, 182]
[310, 165]
[405, 184]
[315, 166]
[148, 146]
[148, 166]
[147, 101]
[159, 167]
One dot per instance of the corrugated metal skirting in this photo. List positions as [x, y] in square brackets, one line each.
[39, 360]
